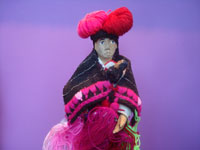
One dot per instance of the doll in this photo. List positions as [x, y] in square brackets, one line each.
[102, 103]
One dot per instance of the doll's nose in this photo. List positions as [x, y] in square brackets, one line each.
[107, 44]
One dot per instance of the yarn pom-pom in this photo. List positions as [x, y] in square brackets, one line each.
[91, 23]
[114, 106]
[119, 21]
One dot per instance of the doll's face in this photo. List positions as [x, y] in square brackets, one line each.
[105, 48]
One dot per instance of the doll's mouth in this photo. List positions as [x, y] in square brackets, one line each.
[107, 51]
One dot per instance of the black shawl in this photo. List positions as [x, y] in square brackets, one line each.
[90, 72]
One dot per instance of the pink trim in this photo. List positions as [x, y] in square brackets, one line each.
[100, 85]
[92, 88]
[129, 100]
[69, 105]
[79, 107]
[75, 100]
[131, 97]
[121, 90]
[130, 93]
[67, 110]
[72, 105]
[85, 92]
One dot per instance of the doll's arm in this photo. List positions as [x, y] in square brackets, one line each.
[120, 123]
[125, 113]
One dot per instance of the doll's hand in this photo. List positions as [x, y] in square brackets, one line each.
[118, 63]
[115, 73]
[120, 123]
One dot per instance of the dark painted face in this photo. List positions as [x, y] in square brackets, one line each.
[105, 48]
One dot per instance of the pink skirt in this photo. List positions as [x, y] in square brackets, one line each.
[94, 134]
[61, 136]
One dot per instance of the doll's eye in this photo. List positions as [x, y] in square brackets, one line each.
[112, 41]
[102, 42]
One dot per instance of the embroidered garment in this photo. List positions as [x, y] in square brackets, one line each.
[91, 110]
[92, 81]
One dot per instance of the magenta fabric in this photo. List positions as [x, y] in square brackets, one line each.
[40, 49]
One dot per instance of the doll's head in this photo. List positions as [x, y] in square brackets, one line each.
[105, 48]
[104, 29]
[105, 44]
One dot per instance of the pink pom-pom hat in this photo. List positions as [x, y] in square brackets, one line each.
[116, 23]
[91, 23]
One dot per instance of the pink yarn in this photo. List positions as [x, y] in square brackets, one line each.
[61, 136]
[114, 106]
[97, 132]
[91, 23]
[119, 21]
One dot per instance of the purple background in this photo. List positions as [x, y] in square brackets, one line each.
[40, 49]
